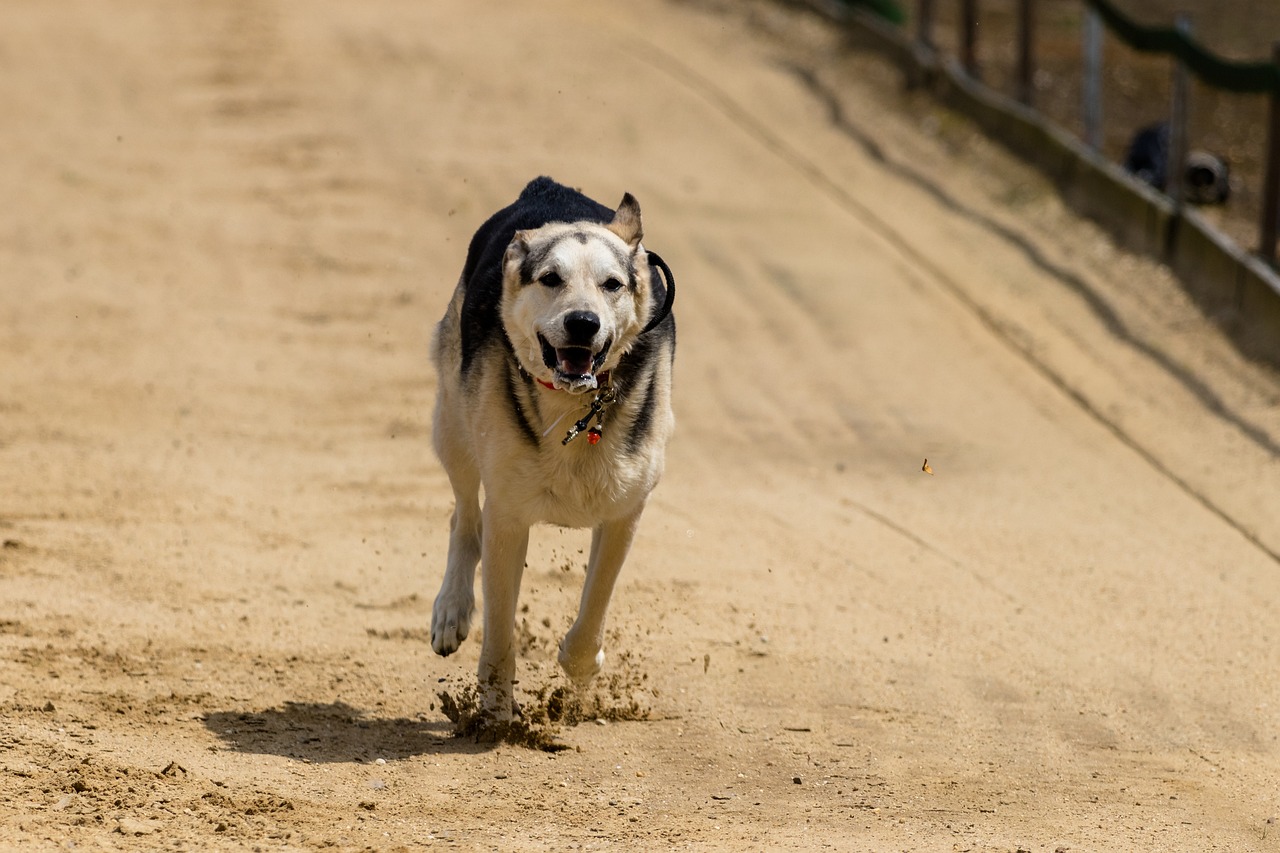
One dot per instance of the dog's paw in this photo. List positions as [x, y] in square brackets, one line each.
[497, 708]
[580, 664]
[450, 622]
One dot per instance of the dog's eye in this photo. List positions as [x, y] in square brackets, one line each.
[551, 279]
[611, 284]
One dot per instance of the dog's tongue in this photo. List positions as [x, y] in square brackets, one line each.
[574, 361]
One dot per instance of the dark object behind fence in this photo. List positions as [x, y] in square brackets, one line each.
[1205, 176]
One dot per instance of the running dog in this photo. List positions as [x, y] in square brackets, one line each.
[554, 360]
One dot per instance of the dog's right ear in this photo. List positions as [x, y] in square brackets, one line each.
[519, 246]
[517, 255]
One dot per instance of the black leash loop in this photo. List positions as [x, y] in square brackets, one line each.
[655, 260]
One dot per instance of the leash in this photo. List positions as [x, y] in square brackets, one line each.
[604, 397]
[655, 260]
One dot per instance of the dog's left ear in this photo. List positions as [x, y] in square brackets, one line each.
[626, 222]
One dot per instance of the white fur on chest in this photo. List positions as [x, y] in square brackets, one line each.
[573, 485]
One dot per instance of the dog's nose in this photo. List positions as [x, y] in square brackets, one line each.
[581, 326]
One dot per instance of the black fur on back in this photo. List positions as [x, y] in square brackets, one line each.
[542, 202]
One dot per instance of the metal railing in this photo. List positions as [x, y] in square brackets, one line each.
[1176, 42]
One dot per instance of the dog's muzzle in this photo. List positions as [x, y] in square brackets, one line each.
[574, 366]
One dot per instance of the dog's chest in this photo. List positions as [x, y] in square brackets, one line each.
[581, 486]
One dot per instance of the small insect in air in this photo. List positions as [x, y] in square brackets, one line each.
[925, 467]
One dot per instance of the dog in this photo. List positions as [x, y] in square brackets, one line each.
[1206, 177]
[555, 359]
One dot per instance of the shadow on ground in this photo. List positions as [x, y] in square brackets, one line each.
[334, 732]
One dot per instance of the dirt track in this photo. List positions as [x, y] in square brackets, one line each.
[228, 229]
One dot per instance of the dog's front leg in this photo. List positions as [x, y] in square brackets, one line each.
[505, 543]
[451, 613]
[582, 650]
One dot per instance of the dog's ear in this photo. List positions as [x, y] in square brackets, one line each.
[626, 222]
[515, 261]
[519, 246]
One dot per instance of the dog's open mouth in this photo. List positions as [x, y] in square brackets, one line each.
[575, 365]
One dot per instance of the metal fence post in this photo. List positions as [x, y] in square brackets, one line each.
[969, 37]
[1271, 177]
[924, 25]
[1092, 33]
[1026, 62]
[1177, 165]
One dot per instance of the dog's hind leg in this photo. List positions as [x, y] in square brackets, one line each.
[506, 543]
[456, 601]
[582, 650]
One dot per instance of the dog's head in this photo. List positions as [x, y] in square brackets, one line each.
[575, 296]
[1208, 178]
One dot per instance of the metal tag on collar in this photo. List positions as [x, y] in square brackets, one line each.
[604, 397]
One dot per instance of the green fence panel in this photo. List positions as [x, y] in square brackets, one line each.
[1244, 77]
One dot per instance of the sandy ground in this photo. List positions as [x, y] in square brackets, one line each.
[228, 228]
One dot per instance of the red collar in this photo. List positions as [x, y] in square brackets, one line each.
[602, 379]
